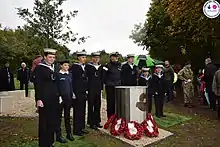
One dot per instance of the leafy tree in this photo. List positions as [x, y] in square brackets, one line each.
[178, 30]
[49, 22]
[20, 45]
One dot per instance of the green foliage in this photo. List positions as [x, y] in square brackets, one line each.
[21, 45]
[49, 21]
[175, 26]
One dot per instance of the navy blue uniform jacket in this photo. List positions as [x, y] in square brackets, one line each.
[64, 81]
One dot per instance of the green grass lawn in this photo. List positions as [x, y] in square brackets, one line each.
[22, 132]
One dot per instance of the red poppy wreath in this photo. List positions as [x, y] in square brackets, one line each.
[150, 126]
[110, 121]
[133, 130]
[118, 127]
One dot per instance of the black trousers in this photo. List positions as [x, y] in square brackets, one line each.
[22, 85]
[159, 102]
[218, 106]
[169, 90]
[211, 97]
[94, 106]
[66, 106]
[149, 103]
[110, 96]
[47, 126]
[79, 109]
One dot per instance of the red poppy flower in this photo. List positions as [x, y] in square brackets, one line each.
[133, 130]
[118, 127]
[150, 126]
[109, 121]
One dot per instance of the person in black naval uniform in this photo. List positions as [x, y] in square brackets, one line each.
[95, 86]
[79, 81]
[64, 81]
[144, 80]
[129, 72]
[145, 77]
[47, 99]
[111, 78]
[157, 88]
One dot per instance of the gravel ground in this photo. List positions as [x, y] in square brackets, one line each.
[25, 107]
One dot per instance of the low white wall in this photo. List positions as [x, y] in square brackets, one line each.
[9, 98]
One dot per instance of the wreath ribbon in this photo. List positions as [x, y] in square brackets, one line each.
[118, 127]
[133, 131]
[150, 126]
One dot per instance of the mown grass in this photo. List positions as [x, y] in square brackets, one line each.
[22, 132]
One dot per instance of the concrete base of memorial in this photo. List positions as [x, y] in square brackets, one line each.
[144, 141]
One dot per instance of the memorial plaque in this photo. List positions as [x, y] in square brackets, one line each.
[131, 102]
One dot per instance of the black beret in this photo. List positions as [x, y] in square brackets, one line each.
[64, 61]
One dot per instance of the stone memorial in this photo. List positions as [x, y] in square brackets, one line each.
[131, 102]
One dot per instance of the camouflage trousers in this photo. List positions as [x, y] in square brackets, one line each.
[188, 92]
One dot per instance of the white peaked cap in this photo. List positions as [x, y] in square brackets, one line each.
[50, 50]
[82, 53]
[130, 55]
[145, 69]
[95, 54]
[159, 66]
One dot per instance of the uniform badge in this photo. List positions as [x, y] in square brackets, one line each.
[96, 75]
[53, 77]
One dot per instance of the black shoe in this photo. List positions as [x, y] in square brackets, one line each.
[163, 115]
[78, 133]
[70, 137]
[94, 127]
[98, 125]
[85, 131]
[61, 140]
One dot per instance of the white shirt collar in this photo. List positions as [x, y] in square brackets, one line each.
[51, 67]
[64, 72]
[95, 65]
[131, 65]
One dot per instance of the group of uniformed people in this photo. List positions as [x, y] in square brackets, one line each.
[72, 87]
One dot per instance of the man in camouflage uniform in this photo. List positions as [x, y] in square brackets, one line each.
[186, 76]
